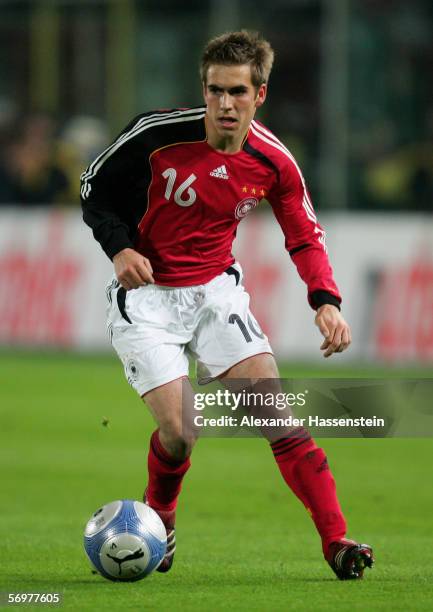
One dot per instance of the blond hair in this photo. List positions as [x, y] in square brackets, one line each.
[238, 48]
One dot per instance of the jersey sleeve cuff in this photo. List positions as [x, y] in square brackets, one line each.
[320, 297]
[117, 242]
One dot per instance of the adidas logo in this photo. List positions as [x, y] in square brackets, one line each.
[220, 172]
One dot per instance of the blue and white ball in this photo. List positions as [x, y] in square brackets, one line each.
[125, 540]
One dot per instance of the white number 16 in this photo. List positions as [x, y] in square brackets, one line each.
[171, 174]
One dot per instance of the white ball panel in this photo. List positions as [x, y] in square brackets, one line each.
[124, 556]
[102, 517]
[151, 520]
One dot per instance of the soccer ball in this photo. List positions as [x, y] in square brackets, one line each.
[125, 540]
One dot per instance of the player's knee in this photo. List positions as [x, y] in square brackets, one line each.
[178, 443]
[181, 448]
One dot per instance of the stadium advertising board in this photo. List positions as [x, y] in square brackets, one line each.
[52, 278]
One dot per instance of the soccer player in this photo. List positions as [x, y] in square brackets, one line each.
[164, 201]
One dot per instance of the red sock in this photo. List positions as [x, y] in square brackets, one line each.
[305, 469]
[165, 476]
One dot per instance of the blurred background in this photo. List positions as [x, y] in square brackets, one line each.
[351, 95]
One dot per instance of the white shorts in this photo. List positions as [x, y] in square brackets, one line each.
[155, 329]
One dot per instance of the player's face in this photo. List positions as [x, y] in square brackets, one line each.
[231, 101]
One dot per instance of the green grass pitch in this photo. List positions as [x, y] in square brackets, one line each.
[244, 540]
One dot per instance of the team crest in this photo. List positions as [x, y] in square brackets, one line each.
[244, 207]
[132, 371]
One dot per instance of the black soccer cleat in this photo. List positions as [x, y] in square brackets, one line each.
[348, 559]
[168, 518]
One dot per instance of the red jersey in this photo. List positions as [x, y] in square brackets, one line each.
[161, 189]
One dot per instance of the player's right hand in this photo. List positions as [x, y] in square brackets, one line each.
[132, 269]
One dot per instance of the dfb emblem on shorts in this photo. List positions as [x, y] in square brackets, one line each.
[244, 207]
[132, 371]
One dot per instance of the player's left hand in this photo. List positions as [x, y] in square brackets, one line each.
[334, 329]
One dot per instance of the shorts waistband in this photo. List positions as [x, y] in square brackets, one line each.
[234, 272]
